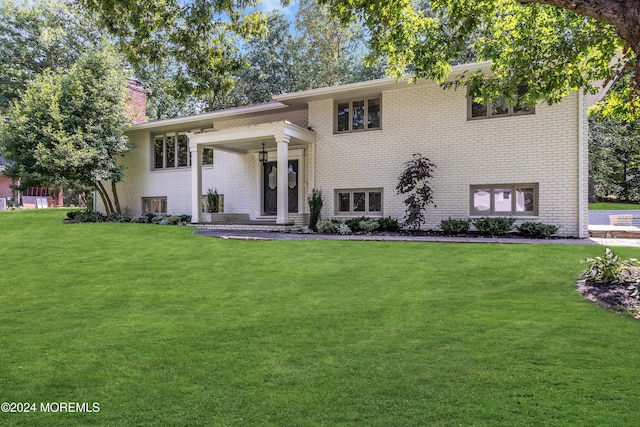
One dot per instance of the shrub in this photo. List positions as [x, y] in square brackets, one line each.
[87, 215]
[315, 206]
[368, 225]
[173, 220]
[493, 226]
[150, 216]
[327, 226]
[354, 223]
[454, 227]
[537, 230]
[185, 218]
[142, 219]
[608, 268]
[344, 229]
[414, 183]
[213, 201]
[118, 217]
[388, 224]
[159, 219]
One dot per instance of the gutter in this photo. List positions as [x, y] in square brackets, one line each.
[581, 163]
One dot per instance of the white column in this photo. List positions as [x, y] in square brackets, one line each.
[196, 182]
[283, 181]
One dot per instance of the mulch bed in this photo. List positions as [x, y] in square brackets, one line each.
[615, 296]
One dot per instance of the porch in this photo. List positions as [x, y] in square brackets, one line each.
[279, 188]
[242, 222]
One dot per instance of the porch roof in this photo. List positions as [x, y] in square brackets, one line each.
[248, 138]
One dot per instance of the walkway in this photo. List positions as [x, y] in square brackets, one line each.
[262, 235]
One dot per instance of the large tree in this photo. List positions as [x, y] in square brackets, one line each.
[552, 46]
[66, 130]
[36, 37]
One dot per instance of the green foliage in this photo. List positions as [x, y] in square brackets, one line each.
[354, 223]
[414, 182]
[173, 220]
[608, 269]
[117, 217]
[344, 229]
[537, 230]
[388, 224]
[490, 226]
[315, 207]
[551, 49]
[213, 201]
[368, 225]
[142, 219]
[455, 227]
[86, 215]
[159, 219]
[327, 226]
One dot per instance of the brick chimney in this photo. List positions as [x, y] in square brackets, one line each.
[137, 100]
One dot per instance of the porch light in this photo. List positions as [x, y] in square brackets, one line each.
[263, 156]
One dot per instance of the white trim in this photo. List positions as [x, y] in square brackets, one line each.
[581, 163]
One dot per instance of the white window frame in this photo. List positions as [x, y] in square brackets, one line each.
[491, 188]
[366, 114]
[351, 212]
[176, 137]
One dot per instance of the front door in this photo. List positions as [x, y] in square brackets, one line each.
[270, 187]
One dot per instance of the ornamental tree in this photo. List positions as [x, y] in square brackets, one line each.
[414, 183]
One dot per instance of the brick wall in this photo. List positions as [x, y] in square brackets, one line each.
[5, 187]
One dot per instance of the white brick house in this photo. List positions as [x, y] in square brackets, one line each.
[352, 141]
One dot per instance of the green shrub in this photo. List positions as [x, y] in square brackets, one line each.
[173, 220]
[159, 219]
[388, 224]
[455, 227]
[537, 230]
[142, 219]
[327, 226]
[354, 223]
[118, 217]
[493, 226]
[315, 206]
[150, 216]
[608, 268]
[368, 225]
[87, 215]
[185, 218]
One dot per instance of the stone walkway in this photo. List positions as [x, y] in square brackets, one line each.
[262, 235]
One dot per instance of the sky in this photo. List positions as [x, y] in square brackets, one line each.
[289, 12]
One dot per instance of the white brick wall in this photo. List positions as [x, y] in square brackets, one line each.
[540, 148]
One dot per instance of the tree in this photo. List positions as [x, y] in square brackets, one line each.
[67, 128]
[201, 37]
[39, 36]
[553, 46]
[414, 182]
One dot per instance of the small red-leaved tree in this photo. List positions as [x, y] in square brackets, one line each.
[414, 182]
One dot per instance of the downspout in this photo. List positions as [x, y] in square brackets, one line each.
[581, 163]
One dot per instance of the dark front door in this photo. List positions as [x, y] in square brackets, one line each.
[270, 187]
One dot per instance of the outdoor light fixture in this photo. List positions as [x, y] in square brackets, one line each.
[263, 156]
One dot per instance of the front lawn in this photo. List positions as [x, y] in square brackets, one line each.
[608, 206]
[163, 327]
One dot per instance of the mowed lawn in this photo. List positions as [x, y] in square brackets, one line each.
[165, 328]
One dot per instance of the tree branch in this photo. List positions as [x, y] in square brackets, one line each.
[607, 11]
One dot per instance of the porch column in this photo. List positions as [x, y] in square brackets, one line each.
[196, 182]
[283, 181]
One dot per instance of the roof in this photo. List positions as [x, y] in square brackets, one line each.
[294, 100]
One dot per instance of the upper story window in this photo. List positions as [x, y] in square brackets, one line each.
[358, 115]
[497, 107]
[171, 150]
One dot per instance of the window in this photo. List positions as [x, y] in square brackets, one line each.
[156, 205]
[501, 200]
[366, 202]
[358, 115]
[497, 107]
[171, 150]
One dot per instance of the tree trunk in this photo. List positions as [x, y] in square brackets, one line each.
[105, 199]
[116, 201]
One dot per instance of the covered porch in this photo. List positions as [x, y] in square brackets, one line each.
[251, 139]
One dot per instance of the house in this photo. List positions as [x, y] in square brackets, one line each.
[351, 142]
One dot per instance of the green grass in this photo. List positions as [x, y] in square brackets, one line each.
[163, 327]
[605, 206]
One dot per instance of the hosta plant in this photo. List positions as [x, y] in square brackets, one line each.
[608, 269]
